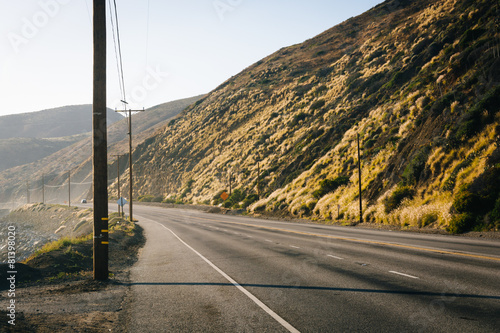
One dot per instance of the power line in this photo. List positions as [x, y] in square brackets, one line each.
[117, 44]
[147, 36]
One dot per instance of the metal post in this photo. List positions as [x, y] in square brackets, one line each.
[99, 143]
[359, 173]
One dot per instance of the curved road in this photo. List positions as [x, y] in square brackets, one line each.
[202, 272]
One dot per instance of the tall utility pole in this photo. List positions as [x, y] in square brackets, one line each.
[27, 191]
[99, 144]
[118, 175]
[130, 156]
[359, 173]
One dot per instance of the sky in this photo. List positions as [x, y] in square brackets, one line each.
[171, 49]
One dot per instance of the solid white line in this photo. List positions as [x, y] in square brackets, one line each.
[264, 307]
[329, 255]
[410, 276]
[295, 246]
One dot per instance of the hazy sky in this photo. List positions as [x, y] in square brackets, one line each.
[171, 49]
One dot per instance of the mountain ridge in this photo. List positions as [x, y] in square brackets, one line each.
[51, 123]
[77, 157]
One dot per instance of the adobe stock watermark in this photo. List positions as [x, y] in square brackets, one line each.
[31, 27]
[151, 81]
[11, 274]
[222, 7]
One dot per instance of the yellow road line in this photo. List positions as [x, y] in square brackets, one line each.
[356, 240]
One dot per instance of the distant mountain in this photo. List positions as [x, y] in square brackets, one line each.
[19, 151]
[51, 123]
[77, 156]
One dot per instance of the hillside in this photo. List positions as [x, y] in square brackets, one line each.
[77, 157]
[417, 80]
[19, 151]
[53, 123]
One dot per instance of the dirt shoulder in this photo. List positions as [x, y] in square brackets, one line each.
[55, 291]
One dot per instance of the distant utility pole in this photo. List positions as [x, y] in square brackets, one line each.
[258, 179]
[359, 173]
[118, 174]
[130, 155]
[27, 191]
[43, 188]
[69, 188]
[99, 143]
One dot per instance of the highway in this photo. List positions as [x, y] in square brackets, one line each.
[201, 272]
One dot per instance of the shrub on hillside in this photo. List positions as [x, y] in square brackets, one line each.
[145, 198]
[394, 200]
[330, 185]
[413, 170]
[461, 223]
[250, 199]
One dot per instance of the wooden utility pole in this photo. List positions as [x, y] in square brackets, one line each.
[359, 173]
[43, 189]
[258, 179]
[69, 188]
[118, 175]
[99, 144]
[27, 192]
[130, 157]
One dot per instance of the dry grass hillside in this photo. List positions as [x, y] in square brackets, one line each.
[417, 80]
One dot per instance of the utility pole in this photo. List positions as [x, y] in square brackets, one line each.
[130, 156]
[43, 188]
[99, 143]
[69, 188]
[27, 191]
[230, 183]
[258, 179]
[118, 174]
[359, 173]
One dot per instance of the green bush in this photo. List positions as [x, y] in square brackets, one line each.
[461, 223]
[428, 219]
[330, 185]
[413, 170]
[157, 199]
[495, 213]
[250, 199]
[392, 202]
[465, 201]
[145, 198]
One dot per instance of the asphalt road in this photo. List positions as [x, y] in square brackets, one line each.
[202, 272]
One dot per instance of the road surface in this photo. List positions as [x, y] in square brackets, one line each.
[201, 272]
